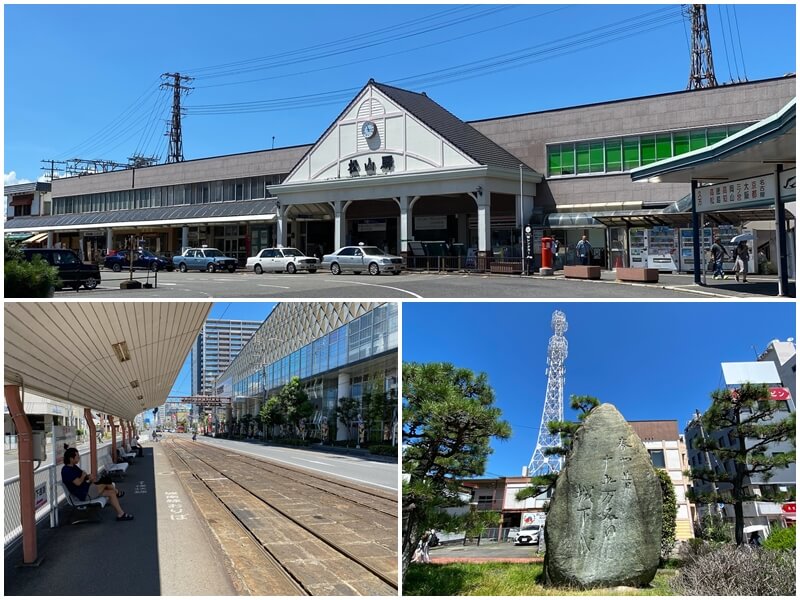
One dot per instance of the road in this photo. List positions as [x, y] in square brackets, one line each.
[353, 468]
[411, 286]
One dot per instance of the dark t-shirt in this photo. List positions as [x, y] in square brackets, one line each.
[70, 473]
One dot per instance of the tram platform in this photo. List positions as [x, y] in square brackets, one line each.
[166, 550]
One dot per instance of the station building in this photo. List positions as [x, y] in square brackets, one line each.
[395, 168]
[338, 350]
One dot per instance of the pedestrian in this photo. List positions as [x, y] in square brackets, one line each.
[194, 436]
[584, 250]
[741, 256]
[718, 252]
[84, 486]
[421, 555]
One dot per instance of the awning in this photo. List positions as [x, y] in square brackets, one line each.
[25, 200]
[36, 239]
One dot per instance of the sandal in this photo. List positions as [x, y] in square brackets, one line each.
[125, 517]
[120, 494]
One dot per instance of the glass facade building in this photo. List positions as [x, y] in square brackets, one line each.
[218, 344]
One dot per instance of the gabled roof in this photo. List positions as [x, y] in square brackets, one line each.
[460, 134]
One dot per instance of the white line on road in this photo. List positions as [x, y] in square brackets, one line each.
[283, 287]
[316, 462]
[388, 287]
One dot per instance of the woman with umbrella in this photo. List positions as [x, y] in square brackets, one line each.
[741, 254]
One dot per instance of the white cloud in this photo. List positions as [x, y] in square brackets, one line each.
[10, 178]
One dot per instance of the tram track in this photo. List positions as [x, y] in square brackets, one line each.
[309, 541]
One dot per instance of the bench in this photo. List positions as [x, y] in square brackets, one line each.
[83, 511]
[637, 274]
[126, 454]
[113, 470]
[581, 272]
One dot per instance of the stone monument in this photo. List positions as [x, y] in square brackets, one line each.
[604, 523]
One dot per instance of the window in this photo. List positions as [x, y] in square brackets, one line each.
[613, 155]
[582, 156]
[630, 153]
[657, 456]
[648, 145]
[596, 164]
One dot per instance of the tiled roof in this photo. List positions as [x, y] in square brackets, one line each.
[462, 135]
[170, 213]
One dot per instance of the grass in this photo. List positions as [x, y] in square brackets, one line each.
[506, 579]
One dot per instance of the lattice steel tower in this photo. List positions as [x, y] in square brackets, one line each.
[553, 401]
[702, 70]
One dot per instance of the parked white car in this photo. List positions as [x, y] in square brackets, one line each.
[525, 536]
[290, 260]
[362, 258]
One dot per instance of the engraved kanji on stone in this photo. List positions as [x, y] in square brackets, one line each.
[627, 480]
[623, 443]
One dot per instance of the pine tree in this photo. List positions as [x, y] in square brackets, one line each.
[747, 418]
[449, 419]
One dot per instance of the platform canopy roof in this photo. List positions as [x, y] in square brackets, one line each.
[118, 358]
[748, 153]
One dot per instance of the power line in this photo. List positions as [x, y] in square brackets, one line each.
[601, 35]
[725, 42]
[733, 47]
[739, 36]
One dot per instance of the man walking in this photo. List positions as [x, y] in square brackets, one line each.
[718, 252]
[584, 250]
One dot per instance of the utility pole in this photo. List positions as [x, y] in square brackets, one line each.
[175, 136]
[701, 74]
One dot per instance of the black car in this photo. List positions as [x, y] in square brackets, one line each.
[117, 261]
[72, 271]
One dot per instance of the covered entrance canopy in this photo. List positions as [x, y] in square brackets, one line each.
[115, 357]
[762, 151]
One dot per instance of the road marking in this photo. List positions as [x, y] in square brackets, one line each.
[283, 287]
[388, 287]
[163, 283]
[316, 462]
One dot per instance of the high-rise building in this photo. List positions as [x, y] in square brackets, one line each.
[218, 344]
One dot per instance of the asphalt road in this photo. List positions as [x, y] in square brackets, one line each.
[359, 469]
[407, 286]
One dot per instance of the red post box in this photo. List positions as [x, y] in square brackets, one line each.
[547, 253]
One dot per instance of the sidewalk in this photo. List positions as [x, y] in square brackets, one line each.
[757, 286]
[165, 550]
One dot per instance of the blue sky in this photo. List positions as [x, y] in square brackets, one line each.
[82, 81]
[652, 360]
[245, 311]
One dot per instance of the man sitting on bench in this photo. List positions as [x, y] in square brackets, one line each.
[79, 483]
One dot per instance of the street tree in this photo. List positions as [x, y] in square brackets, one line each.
[748, 419]
[271, 414]
[347, 413]
[295, 403]
[449, 420]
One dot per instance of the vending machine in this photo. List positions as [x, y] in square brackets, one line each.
[654, 248]
[687, 250]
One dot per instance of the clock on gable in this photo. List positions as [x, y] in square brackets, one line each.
[368, 129]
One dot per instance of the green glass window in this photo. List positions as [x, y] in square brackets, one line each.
[567, 159]
[613, 155]
[630, 153]
[554, 160]
[717, 134]
[648, 143]
[582, 154]
[596, 157]
[663, 146]
[681, 141]
[736, 128]
[697, 139]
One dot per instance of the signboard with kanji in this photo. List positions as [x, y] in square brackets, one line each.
[734, 195]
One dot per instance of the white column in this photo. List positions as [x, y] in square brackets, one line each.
[280, 226]
[109, 239]
[81, 253]
[50, 239]
[484, 224]
[343, 392]
[405, 225]
[338, 224]
[184, 237]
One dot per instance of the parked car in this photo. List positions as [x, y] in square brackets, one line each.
[362, 258]
[72, 270]
[204, 259]
[119, 260]
[526, 536]
[290, 260]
